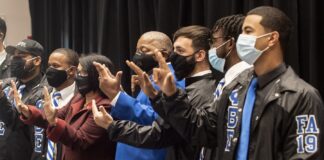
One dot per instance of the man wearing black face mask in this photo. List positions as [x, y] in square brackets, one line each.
[139, 110]
[15, 137]
[62, 66]
[191, 63]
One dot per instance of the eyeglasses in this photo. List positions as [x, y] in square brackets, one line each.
[82, 73]
[212, 40]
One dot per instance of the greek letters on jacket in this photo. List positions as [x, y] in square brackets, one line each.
[15, 136]
[229, 108]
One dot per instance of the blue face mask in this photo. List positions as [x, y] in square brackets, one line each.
[245, 46]
[217, 62]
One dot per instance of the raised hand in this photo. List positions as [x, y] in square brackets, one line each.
[49, 110]
[108, 83]
[142, 79]
[101, 118]
[21, 107]
[162, 76]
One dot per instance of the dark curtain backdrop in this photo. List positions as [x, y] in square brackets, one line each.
[112, 27]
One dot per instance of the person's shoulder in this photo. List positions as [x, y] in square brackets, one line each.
[292, 81]
[299, 90]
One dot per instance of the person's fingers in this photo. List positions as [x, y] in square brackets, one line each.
[99, 69]
[156, 74]
[119, 76]
[14, 90]
[133, 83]
[134, 67]
[108, 71]
[146, 79]
[136, 82]
[47, 97]
[104, 112]
[95, 111]
[169, 78]
[102, 70]
[160, 59]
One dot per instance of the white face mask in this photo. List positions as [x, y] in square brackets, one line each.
[215, 61]
[245, 46]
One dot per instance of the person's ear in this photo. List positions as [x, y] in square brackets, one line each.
[165, 54]
[1, 36]
[72, 71]
[200, 56]
[274, 38]
[37, 61]
[231, 44]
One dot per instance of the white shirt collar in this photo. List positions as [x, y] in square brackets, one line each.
[235, 70]
[3, 56]
[66, 94]
[201, 73]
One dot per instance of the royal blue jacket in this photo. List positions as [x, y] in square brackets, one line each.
[140, 111]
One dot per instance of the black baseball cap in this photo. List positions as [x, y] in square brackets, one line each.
[28, 46]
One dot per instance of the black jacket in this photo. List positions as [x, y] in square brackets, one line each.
[160, 133]
[5, 68]
[287, 125]
[16, 138]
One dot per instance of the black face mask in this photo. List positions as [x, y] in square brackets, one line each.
[82, 83]
[55, 77]
[182, 65]
[19, 69]
[144, 61]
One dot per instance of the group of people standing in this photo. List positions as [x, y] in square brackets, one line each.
[220, 93]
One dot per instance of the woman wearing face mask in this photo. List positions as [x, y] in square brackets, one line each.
[73, 125]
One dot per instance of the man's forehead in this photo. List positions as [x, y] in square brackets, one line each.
[252, 21]
[218, 33]
[183, 40]
[154, 43]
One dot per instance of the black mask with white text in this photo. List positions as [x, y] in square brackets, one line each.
[145, 61]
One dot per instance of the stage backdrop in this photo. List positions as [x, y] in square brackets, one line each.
[112, 27]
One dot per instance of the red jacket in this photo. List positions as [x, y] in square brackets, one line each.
[82, 139]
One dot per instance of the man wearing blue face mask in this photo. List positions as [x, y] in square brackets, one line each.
[196, 116]
[224, 58]
[285, 110]
[199, 125]
[281, 121]
[274, 115]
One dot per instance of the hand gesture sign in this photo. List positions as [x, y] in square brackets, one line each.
[101, 118]
[108, 83]
[142, 79]
[21, 107]
[162, 76]
[49, 110]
